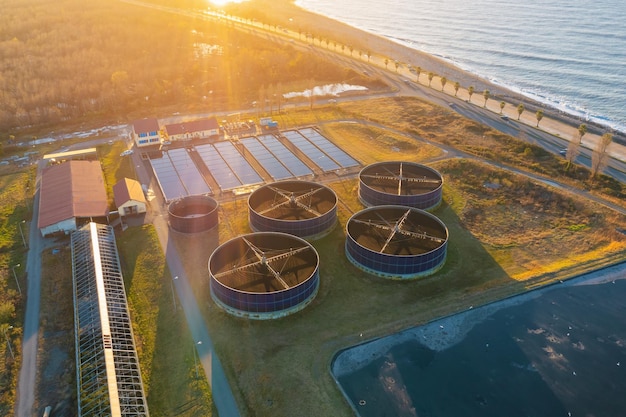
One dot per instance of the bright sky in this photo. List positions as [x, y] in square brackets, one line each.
[224, 2]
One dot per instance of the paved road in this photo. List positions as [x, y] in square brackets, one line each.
[28, 371]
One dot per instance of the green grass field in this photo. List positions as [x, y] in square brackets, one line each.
[173, 384]
[503, 240]
[15, 214]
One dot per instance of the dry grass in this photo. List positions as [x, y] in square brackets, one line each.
[370, 144]
[14, 208]
[437, 124]
[529, 228]
[14, 193]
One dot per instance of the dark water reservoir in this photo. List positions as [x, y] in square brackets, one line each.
[560, 351]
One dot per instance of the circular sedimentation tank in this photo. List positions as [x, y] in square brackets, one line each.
[396, 242]
[264, 275]
[193, 214]
[301, 208]
[400, 183]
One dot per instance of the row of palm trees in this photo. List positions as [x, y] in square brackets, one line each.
[416, 70]
[599, 155]
[470, 91]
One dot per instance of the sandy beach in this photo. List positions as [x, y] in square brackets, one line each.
[287, 14]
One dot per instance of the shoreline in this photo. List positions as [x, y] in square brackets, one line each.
[507, 92]
[296, 18]
[509, 89]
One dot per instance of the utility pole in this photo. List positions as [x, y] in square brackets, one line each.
[8, 341]
[22, 232]
[173, 294]
[16, 280]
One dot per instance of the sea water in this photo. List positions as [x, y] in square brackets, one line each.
[571, 55]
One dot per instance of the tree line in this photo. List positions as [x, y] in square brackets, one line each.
[70, 60]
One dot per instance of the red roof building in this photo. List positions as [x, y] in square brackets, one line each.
[194, 129]
[146, 132]
[69, 192]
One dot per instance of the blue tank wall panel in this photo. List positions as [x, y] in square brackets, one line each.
[393, 265]
[301, 228]
[424, 201]
[266, 302]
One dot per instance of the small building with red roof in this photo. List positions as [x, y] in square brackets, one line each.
[129, 198]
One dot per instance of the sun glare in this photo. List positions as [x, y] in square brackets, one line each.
[220, 3]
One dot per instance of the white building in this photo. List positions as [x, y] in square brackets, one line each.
[129, 198]
[146, 132]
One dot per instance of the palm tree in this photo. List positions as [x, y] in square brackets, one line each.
[486, 96]
[470, 91]
[342, 48]
[431, 75]
[599, 156]
[444, 81]
[369, 55]
[397, 64]
[582, 129]
[351, 50]
[539, 116]
[418, 71]
[573, 148]
[520, 110]
[386, 62]
[457, 85]
[502, 104]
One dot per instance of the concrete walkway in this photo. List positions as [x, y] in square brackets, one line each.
[220, 389]
[222, 394]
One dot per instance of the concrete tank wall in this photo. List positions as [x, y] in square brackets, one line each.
[193, 214]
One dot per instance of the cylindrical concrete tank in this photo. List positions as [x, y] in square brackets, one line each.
[396, 242]
[264, 275]
[400, 183]
[193, 214]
